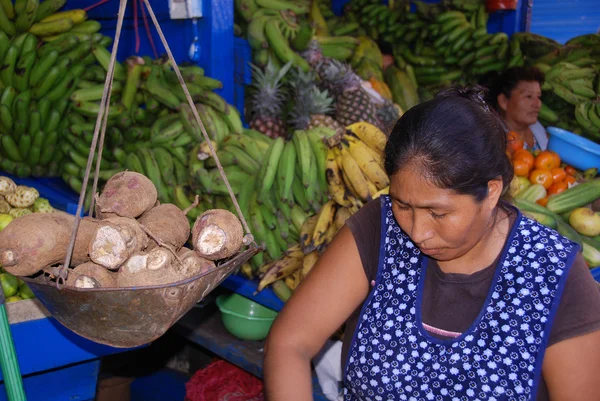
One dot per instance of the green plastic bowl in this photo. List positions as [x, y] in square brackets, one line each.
[244, 318]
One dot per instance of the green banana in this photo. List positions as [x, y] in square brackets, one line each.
[6, 25]
[48, 82]
[103, 57]
[8, 65]
[23, 70]
[281, 47]
[286, 171]
[48, 7]
[256, 32]
[26, 18]
[166, 164]
[269, 167]
[297, 7]
[6, 118]
[304, 156]
[152, 171]
[134, 163]
[594, 115]
[11, 148]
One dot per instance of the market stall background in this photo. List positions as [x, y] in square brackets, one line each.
[208, 41]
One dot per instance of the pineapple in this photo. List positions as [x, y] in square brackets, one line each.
[266, 101]
[388, 115]
[312, 105]
[352, 103]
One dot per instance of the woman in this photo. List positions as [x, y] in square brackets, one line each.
[448, 292]
[517, 96]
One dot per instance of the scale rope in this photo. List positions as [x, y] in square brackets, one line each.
[100, 130]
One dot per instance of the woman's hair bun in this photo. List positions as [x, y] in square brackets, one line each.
[475, 93]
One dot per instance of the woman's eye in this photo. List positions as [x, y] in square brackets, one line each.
[438, 216]
[401, 207]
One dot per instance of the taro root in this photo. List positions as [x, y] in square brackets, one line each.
[115, 240]
[91, 275]
[37, 241]
[192, 264]
[167, 224]
[127, 194]
[217, 234]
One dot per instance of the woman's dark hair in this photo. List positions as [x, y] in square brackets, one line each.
[456, 141]
[509, 79]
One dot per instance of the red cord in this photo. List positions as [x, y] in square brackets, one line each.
[95, 5]
[148, 31]
[135, 26]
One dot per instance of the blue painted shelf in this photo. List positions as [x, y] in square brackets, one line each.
[248, 289]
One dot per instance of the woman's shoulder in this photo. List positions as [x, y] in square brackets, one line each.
[579, 309]
[365, 226]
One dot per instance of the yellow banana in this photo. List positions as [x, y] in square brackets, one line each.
[370, 166]
[356, 204]
[327, 238]
[77, 16]
[247, 271]
[369, 134]
[336, 186]
[384, 191]
[309, 262]
[290, 281]
[342, 214]
[306, 233]
[293, 251]
[324, 221]
[355, 177]
[280, 269]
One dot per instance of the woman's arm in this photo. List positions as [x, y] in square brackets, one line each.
[335, 287]
[571, 368]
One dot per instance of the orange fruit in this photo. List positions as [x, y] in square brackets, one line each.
[525, 155]
[521, 168]
[558, 174]
[557, 187]
[571, 170]
[546, 160]
[570, 180]
[541, 176]
[514, 141]
[543, 201]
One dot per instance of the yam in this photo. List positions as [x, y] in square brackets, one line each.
[115, 240]
[135, 272]
[37, 241]
[166, 223]
[127, 194]
[217, 234]
[91, 275]
[192, 264]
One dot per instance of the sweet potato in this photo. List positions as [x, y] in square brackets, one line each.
[127, 194]
[36, 241]
[115, 240]
[217, 234]
[166, 223]
[91, 275]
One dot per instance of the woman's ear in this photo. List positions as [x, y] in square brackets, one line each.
[502, 101]
[495, 189]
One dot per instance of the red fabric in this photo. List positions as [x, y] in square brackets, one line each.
[495, 5]
[222, 381]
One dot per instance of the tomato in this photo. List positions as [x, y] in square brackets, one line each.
[514, 141]
[558, 174]
[521, 168]
[556, 158]
[546, 160]
[541, 176]
[557, 187]
[526, 156]
[571, 170]
[571, 180]
[543, 201]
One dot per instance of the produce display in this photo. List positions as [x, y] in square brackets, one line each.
[135, 241]
[44, 53]
[558, 196]
[16, 201]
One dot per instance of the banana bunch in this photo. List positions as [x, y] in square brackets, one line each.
[151, 127]
[337, 47]
[275, 28]
[37, 83]
[354, 174]
[587, 115]
[278, 183]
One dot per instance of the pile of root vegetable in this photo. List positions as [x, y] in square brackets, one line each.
[133, 240]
